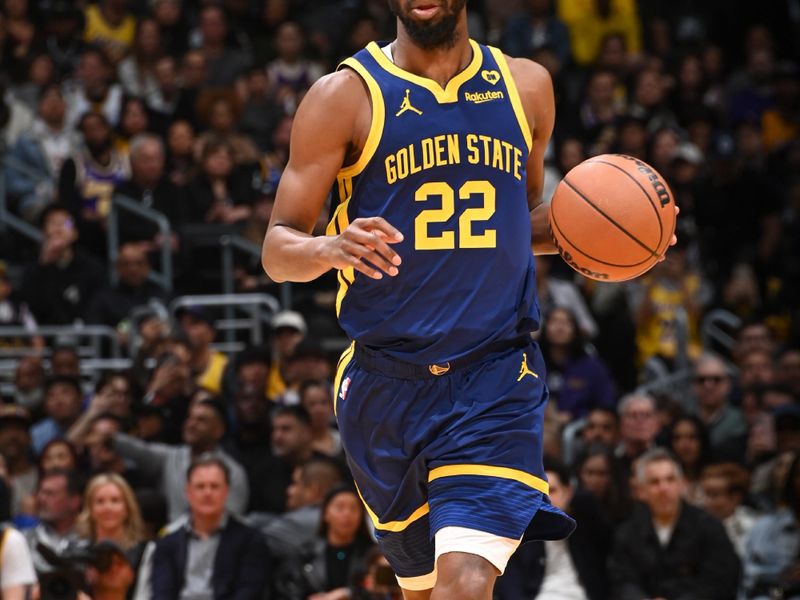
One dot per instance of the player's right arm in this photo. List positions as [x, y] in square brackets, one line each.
[329, 131]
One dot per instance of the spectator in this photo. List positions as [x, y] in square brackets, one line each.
[64, 360]
[87, 180]
[113, 305]
[220, 194]
[133, 121]
[770, 563]
[165, 101]
[559, 293]
[14, 313]
[288, 330]
[111, 514]
[93, 89]
[149, 186]
[34, 162]
[571, 568]
[290, 74]
[688, 441]
[111, 27]
[180, 167]
[311, 482]
[598, 111]
[602, 426]
[577, 380]
[59, 286]
[671, 300]
[17, 574]
[590, 21]
[291, 435]
[598, 473]
[113, 397]
[58, 502]
[58, 455]
[638, 427]
[780, 122]
[757, 368]
[137, 71]
[308, 362]
[212, 554]
[663, 550]
[225, 65]
[222, 113]
[789, 370]
[207, 364]
[328, 565]
[260, 113]
[170, 386]
[62, 406]
[29, 383]
[202, 431]
[15, 448]
[316, 397]
[711, 385]
[724, 488]
[537, 28]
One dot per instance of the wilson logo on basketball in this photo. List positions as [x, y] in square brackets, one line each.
[658, 185]
[481, 97]
[565, 254]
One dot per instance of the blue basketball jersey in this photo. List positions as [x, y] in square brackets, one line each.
[445, 166]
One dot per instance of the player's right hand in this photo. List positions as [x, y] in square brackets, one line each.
[364, 246]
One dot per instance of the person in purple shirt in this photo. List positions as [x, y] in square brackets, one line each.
[577, 379]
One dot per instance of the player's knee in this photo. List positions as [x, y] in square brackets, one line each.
[464, 576]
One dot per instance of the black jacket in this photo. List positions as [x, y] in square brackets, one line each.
[699, 563]
[242, 567]
[58, 295]
[589, 546]
[167, 198]
[114, 304]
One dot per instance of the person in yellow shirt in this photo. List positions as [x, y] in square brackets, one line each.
[207, 364]
[670, 288]
[110, 26]
[591, 21]
[288, 330]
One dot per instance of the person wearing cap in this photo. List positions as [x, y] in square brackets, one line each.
[203, 430]
[15, 448]
[62, 407]
[288, 330]
[208, 365]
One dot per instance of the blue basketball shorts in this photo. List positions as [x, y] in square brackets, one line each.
[440, 446]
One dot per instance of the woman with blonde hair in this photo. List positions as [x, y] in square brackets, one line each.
[111, 516]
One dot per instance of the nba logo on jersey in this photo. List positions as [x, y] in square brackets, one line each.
[343, 389]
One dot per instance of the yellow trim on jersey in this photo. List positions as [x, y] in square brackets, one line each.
[344, 360]
[490, 471]
[394, 526]
[513, 94]
[340, 217]
[446, 95]
[378, 119]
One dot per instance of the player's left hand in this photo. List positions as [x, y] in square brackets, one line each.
[674, 239]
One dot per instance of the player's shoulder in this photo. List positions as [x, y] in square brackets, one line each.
[342, 86]
[529, 76]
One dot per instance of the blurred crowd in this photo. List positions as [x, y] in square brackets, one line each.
[673, 429]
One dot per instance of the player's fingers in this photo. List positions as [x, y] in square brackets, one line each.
[362, 267]
[381, 224]
[374, 240]
[380, 262]
[673, 240]
[352, 255]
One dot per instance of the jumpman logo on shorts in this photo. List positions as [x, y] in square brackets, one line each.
[524, 370]
[406, 105]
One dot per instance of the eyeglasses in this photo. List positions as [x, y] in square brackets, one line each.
[702, 379]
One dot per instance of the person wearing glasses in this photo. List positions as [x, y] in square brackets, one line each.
[711, 387]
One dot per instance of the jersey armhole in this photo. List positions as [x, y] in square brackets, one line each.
[378, 119]
[513, 94]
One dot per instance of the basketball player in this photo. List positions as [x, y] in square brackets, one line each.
[434, 147]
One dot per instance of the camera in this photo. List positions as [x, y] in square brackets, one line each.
[66, 578]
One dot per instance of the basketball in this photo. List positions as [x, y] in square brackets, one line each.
[612, 217]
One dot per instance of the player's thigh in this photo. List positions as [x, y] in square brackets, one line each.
[422, 595]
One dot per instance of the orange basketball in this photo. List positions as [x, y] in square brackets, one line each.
[612, 217]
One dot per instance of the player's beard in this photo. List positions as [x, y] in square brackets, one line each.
[438, 33]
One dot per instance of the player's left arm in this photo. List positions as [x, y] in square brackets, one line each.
[536, 93]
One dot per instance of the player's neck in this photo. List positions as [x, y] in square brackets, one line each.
[438, 64]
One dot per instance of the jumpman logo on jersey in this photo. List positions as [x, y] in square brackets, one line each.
[524, 370]
[406, 105]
